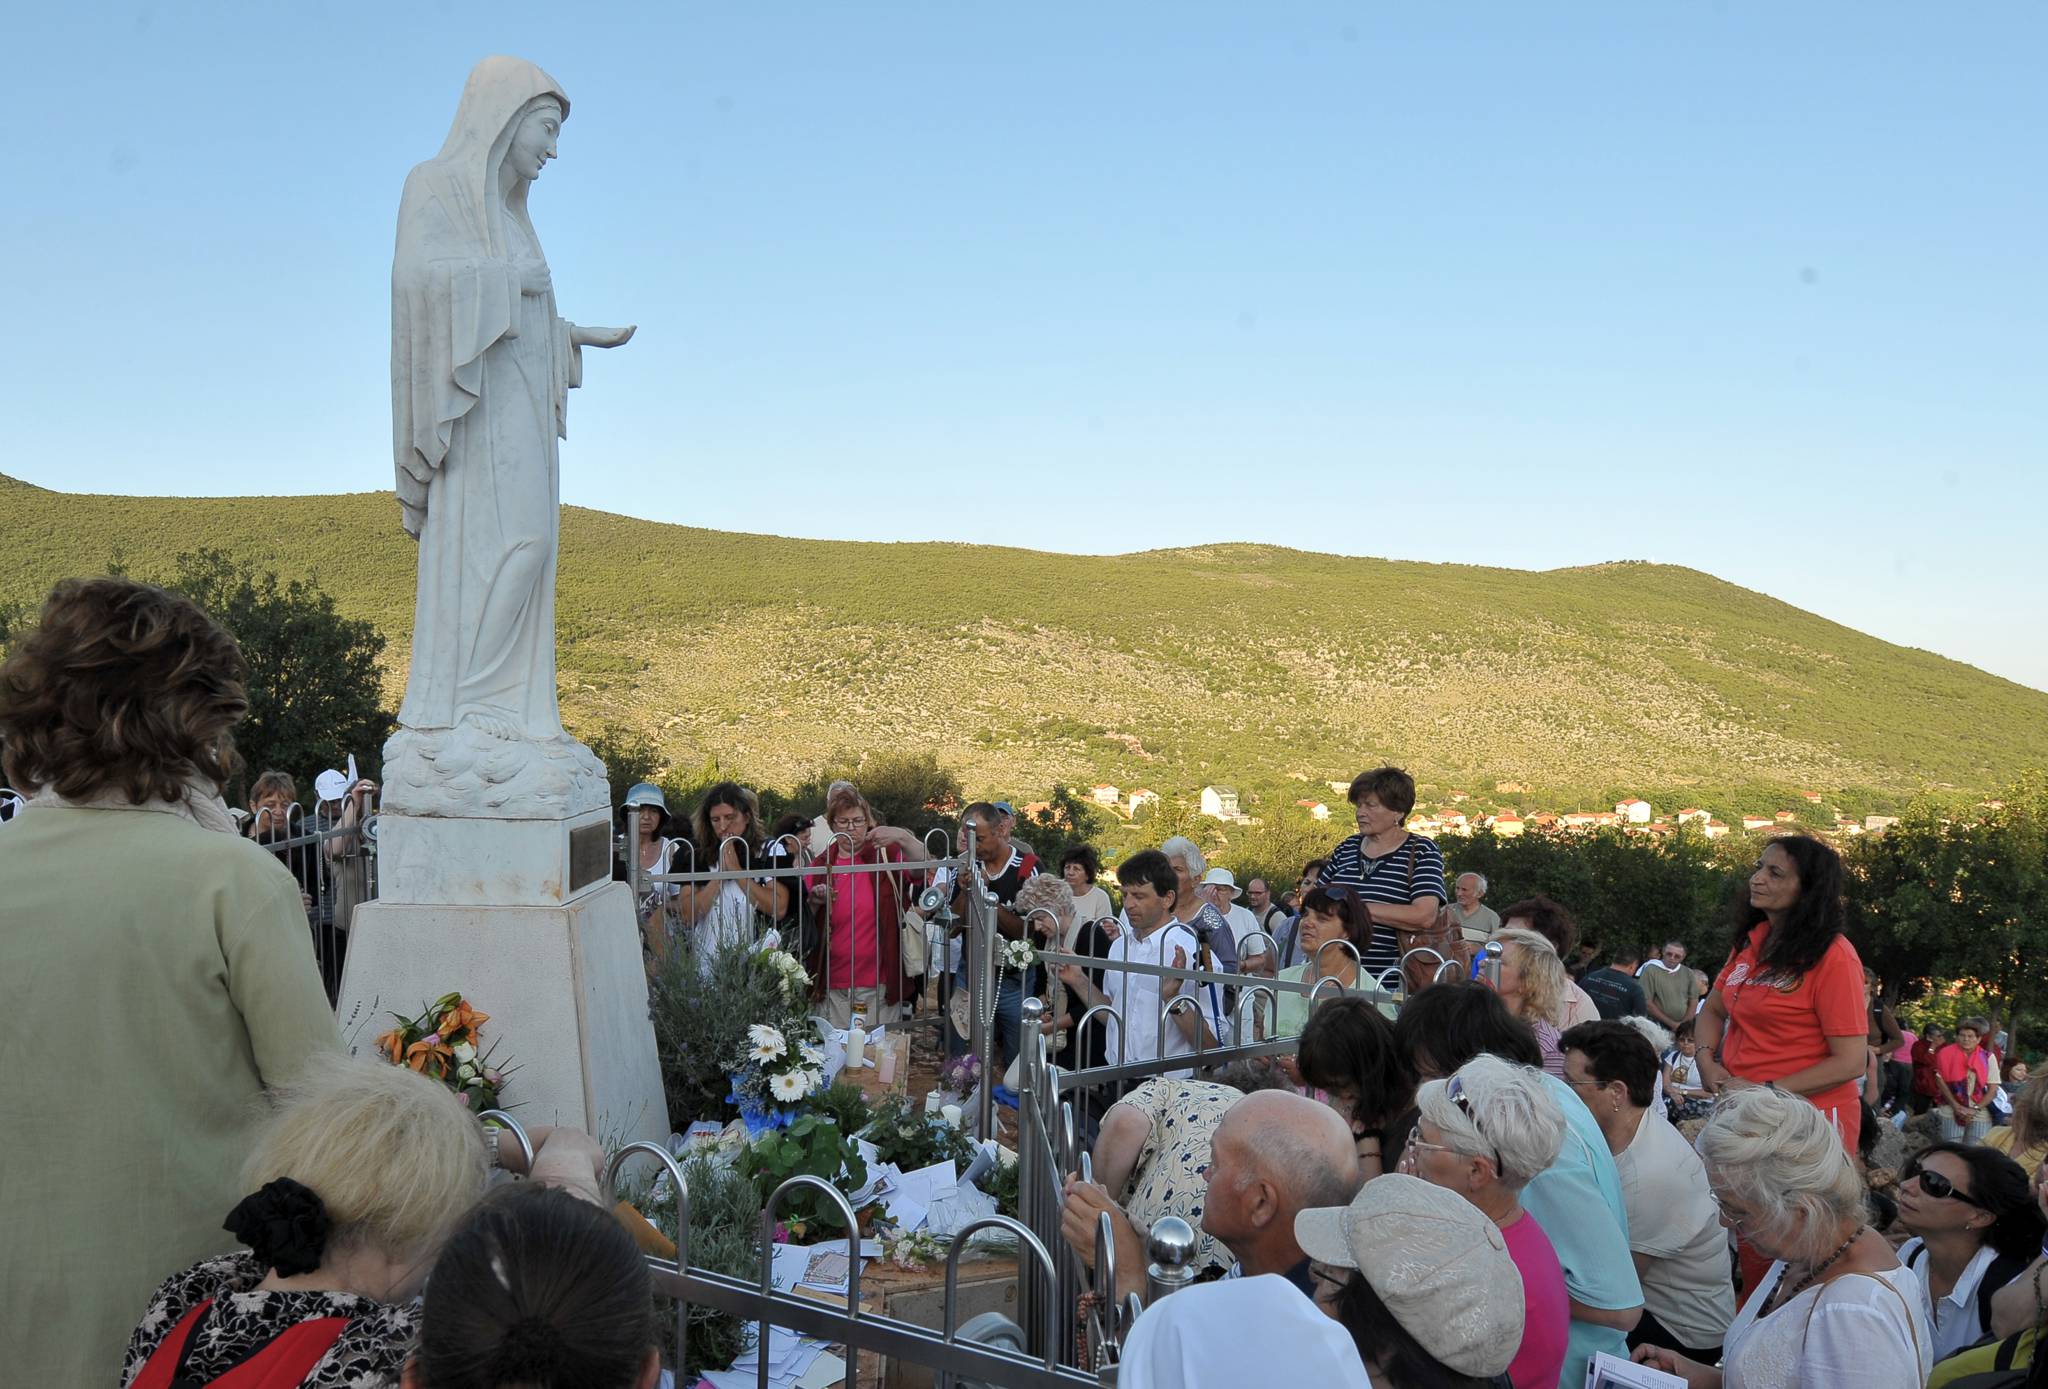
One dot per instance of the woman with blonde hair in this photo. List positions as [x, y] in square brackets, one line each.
[1533, 984]
[359, 1176]
[2025, 1139]
[1835, 1306]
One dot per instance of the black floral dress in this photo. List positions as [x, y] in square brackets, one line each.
[369, 1354]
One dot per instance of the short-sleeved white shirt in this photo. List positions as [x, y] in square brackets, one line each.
[1139, 1006]
[1861, 1329]
[1674, 1224]
[1954, 1318]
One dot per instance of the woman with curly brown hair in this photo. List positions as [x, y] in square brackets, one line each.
[156, 975]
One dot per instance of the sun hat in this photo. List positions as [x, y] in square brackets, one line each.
[1437, 1261]
[646, 793]
[331, 785]
[1222, 877]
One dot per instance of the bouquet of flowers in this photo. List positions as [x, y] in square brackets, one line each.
[1019, 955]
[442, 1044]
[777, 1070]
[960, 1075]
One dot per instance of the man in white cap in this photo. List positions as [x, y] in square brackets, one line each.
[1449, 1294]
[1219, 885]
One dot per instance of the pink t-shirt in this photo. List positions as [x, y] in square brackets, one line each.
[1548, 1319]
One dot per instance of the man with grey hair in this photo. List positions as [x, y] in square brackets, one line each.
[1476, 922]
[1193, 909]
[1274, 1155]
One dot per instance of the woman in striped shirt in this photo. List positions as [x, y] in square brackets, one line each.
[1398, 876]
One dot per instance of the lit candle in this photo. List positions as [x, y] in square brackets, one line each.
[856, 1045]
[951, 1114]
[931, 1103]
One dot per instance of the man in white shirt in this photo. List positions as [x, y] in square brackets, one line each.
[1220, 886]
[1674, 1227]
[1151, 888]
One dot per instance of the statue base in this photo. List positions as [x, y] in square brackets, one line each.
[448, 861]
[564, 988]
[464, 771]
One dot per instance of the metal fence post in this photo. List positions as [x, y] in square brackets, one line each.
[1172, 1248]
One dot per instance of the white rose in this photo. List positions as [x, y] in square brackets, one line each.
[465, 1052]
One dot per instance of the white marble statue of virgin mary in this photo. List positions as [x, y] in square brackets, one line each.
[481, 364]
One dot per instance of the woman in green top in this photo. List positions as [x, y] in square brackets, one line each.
[156, 976]
[1331, 919]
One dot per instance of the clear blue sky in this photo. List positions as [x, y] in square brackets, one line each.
[1754, 288]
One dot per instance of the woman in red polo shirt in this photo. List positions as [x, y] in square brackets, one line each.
[1787, 1008]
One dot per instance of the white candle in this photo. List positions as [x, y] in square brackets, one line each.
[951, 1114]
[931, 1103]
[856, 1045]
[887, 1063]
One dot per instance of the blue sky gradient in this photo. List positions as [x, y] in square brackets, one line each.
[1754, 289]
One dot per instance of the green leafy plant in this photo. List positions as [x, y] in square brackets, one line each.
[845, 1105]
[1003, 1185]
[702, 1016]
[812, 1145]
[905, 1135]
[725, 1238]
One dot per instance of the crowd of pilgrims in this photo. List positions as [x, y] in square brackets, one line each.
[1751, 1177]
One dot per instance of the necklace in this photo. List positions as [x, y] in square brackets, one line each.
[1779, 1297]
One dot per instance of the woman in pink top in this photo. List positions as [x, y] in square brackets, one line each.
[1965, 1070]
[1483, 1134]
[855, 963]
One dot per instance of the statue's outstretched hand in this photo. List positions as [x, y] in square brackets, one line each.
[580, 336]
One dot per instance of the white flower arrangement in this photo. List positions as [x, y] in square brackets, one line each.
[766, 1043]
[1019, 955]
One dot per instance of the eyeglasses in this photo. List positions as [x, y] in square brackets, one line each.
[1735, 1218]
[848, 823]
[1938, 1186]
[1340, 892]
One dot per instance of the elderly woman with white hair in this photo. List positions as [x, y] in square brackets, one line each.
[1836, 1306]
[1533, 984]
[356, 1181]
[1485, 1133]
[1191, 906]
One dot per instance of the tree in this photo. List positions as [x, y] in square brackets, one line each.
[1065, 822]
[315, 692]
[629, 758]
[913, 790]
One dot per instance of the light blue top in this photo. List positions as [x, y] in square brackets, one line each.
[1577, 1201]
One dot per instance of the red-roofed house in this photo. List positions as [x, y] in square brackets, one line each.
[1633, 811]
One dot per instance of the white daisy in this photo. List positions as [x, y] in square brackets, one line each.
[767, 1042]
[791, 1085]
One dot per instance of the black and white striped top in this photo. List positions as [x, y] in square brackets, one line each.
[1413, 871]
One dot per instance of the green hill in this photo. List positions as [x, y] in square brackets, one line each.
[1252, 666]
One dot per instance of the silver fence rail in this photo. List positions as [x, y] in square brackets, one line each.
[333, 856]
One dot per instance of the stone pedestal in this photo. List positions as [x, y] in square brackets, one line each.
[559, 970]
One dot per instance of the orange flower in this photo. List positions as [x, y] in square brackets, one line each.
[461, 1017]
[422, 1054]
[393, 1046]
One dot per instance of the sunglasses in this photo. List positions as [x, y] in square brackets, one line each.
[1937, 1186]
[1454, 1091]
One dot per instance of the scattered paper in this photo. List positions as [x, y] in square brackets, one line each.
[826, 1369]
[914, 1192]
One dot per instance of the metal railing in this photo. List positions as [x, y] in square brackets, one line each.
[334, 861]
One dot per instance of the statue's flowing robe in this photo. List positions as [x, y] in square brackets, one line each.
[479, 376]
